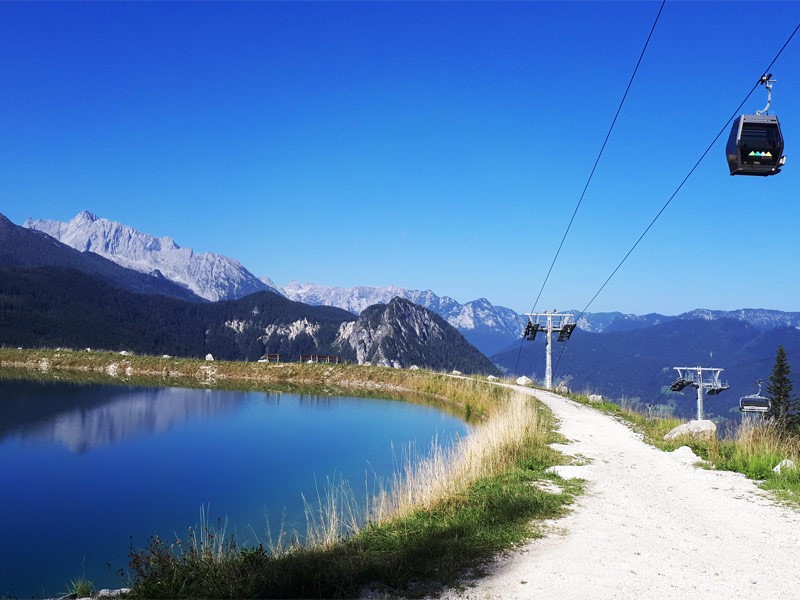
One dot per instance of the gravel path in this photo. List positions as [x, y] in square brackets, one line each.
[649, 526]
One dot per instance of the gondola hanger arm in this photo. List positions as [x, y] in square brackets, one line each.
[766, 80]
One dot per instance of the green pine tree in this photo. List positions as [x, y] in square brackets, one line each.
[779, 390]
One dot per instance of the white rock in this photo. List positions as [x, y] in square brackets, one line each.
[491, 378]
[106, 593]
[209, 357]
[697, 429]
[595, 398]
[125, 353]
[454, 372]
[562, 389]
[785, 465]
[687, 456]
[524, 380]
[165, 356]
[413, 368]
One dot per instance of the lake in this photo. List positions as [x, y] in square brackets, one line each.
[88, 470]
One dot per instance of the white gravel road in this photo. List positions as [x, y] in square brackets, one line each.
[649, 526]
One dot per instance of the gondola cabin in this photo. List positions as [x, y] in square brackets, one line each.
[755, 146]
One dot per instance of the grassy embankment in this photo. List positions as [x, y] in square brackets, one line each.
[753, 449]
[437, 518]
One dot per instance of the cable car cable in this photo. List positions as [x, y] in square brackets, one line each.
[594, 168]
[680, 186]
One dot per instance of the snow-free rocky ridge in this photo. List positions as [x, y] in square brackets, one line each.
[210, 276]
[650, 525]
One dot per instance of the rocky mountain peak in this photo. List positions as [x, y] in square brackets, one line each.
[210, 276]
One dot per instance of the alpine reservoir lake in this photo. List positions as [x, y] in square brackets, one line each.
[89, 471]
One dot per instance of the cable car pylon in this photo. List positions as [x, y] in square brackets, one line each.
[549, 323]
[695, 377]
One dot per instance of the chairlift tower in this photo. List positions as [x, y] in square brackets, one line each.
[705, 379]
[549, 323]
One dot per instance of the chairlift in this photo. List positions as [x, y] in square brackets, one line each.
[755, 403]
[755, 144]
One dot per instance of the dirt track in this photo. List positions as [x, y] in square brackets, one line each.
[650, 526]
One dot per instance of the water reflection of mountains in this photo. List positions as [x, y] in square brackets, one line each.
[82, 417]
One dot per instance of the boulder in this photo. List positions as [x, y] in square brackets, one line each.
[524, 380]
[209, 357]
[696, 429]
[561, 388]
[113, 593]
[687, 456]
[413, 368]
[596, 398]
[785, 465]
[454, 372]
[491, 378]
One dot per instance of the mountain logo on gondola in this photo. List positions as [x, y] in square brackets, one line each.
[760, 154]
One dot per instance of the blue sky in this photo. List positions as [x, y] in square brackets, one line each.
[433, 146]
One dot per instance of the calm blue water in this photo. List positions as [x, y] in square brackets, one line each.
[86, 470]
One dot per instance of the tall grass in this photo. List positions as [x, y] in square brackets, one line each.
[755, 449]
[490, 449]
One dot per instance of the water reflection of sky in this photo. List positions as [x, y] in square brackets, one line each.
[92, 467]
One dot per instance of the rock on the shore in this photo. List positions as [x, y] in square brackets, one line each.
[695, 429]
[524, 380]
[785, 465]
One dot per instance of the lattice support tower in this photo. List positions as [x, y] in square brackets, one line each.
[705, 379]
[549, 323]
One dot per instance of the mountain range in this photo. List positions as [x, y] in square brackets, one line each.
[52, 295]
[490, 328]
[616, 354]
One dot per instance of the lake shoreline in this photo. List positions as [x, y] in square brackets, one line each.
[473, 515]
[92, 366]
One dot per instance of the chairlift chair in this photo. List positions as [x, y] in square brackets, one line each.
[754, 403]
[530, 331]
[713, 391]
[679, 384]
[566, 332]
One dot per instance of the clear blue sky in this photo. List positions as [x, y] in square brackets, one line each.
[435, 146]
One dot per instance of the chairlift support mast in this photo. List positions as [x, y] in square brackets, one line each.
[549, 323]
[705, 379]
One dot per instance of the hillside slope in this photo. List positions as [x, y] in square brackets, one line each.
[53, 307]
[637, 364]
